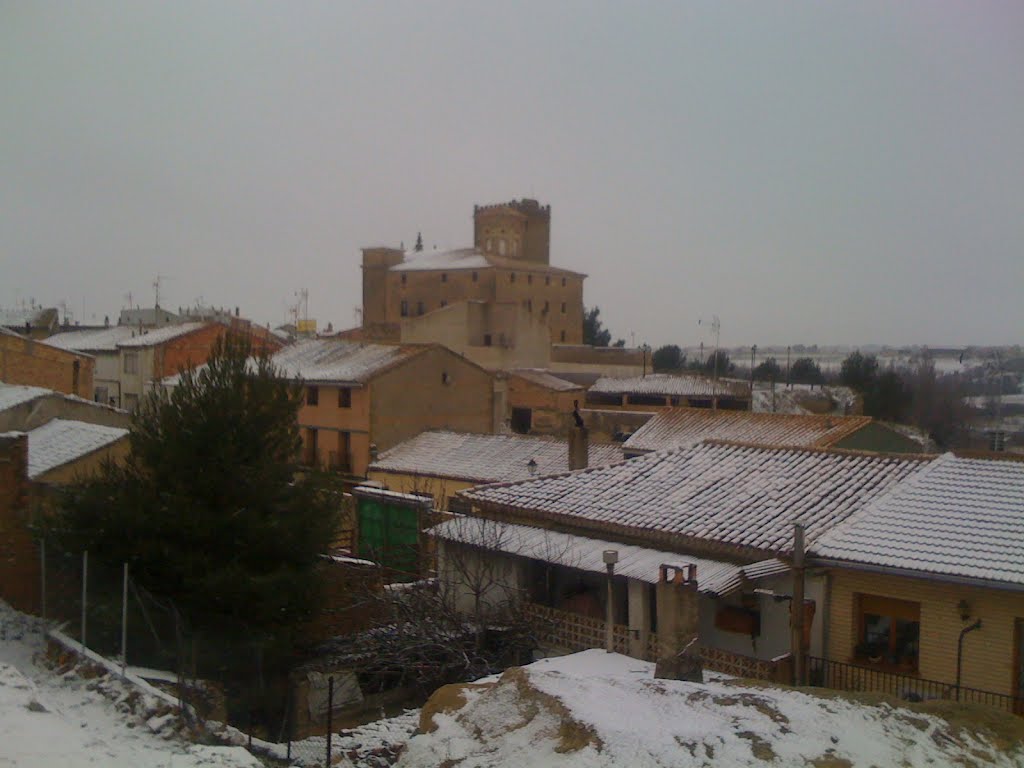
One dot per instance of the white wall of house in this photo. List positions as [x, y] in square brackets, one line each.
[467, 572]
[774, 638]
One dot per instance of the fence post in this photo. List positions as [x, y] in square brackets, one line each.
[330, 720]
[85, 592]
[42, 579]
[124, 623]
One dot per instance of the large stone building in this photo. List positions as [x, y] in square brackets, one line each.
[516, 295]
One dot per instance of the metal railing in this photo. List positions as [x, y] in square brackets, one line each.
[854, 677]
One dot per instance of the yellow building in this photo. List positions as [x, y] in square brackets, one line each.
[931, 573]
[508, 268]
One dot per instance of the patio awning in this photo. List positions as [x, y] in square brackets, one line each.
[714, 577]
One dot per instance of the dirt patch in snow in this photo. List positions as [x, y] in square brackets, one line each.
[447, 699]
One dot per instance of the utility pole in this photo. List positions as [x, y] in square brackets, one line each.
[796, 606]
[716, 327]
[753, 351]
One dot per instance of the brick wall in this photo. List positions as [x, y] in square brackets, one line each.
[19, 558]
[31, 362]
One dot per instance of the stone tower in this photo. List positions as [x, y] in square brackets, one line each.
[520, 229]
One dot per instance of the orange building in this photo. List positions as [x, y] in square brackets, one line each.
[35, 363]
[360, 398]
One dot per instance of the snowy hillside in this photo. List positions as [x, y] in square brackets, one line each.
[593, 709]
[55, 718]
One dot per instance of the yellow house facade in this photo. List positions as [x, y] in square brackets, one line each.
[991, 654]
[931, 573]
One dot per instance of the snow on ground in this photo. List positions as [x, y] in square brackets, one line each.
[592, 709]
[66, 717]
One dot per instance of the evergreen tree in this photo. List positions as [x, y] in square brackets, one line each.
[859, 372]
[806, 371]
[419, 242]
[768, 370]
[594, 333]
[724, 364]
[668, 358]
[208, 509]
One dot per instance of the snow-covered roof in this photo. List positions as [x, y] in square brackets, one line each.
[59, 442]
[486, 458]
[957, 517]
[469, 258]
[156, 336]
[731, 494]
[12, 395]
[460, 258]
[669, 385]
[94, 340]
[16, 318]
[587, 554]
[683, 427]
[543, 378]
[337, 361]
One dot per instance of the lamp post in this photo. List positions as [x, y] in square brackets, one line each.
[611, 557]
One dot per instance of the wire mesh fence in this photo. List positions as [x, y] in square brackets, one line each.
[216, 675]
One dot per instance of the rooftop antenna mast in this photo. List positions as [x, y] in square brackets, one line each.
[716, 328]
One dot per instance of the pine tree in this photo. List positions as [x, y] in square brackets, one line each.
[419, 242]
[208, 509]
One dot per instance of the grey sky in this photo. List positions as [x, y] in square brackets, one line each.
[809, 172]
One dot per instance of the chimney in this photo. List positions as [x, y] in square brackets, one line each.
[579, 447]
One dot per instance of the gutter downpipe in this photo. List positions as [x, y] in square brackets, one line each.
[960, 652]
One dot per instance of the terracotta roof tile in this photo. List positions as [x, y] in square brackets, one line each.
[731, 494]
[485, 458]
[683, 427]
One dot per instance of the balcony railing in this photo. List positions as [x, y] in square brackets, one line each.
[852, 677]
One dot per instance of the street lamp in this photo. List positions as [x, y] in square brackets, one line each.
[611, 557]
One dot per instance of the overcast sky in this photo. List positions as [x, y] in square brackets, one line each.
[809, 172]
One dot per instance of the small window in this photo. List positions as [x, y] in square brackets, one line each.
[563, 282]
[514, 245]
[529, 279]
[443, 303]
[444, 277]
[131, 362]
[403, 278]
[563, 336]
[547, 280]
[487, 339]
[475, 277]
[312, 395]
[546, 307]
[563, 307]
[501, 246]
[344, 397]
[419, 307]
[487, 245]
[888, 631]
[512, 277]
[405, 308]
[529, 305]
